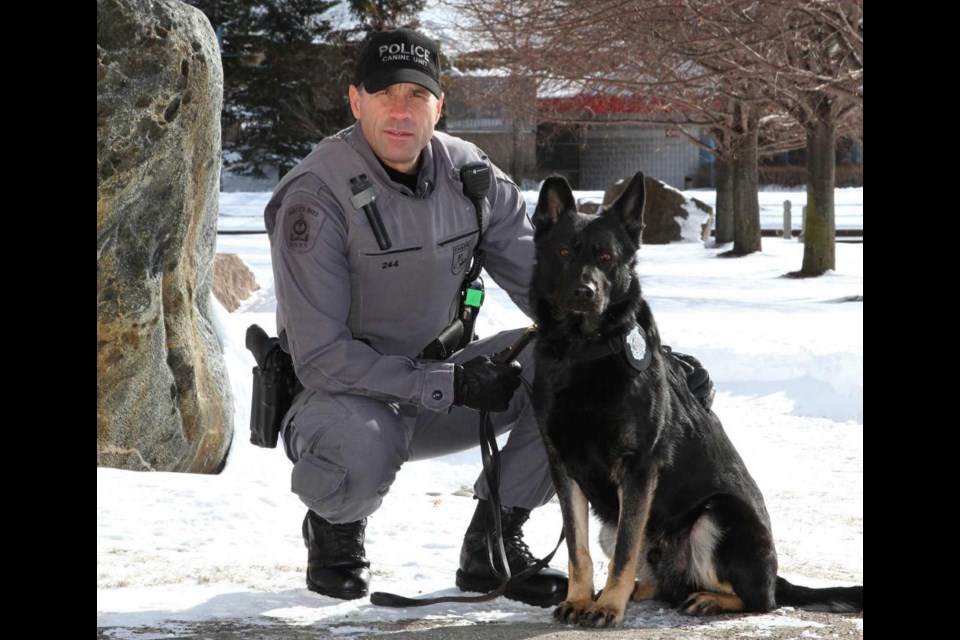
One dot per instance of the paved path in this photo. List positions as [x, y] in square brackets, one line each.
[783, 625]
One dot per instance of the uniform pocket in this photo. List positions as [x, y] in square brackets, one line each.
[392, 251]
[463, 235]
[307, 420]
[396, 288]
[319, 483]
[460, 249]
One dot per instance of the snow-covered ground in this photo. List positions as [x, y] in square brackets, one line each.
[787, 359]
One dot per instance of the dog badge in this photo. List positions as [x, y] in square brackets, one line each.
[635, 349]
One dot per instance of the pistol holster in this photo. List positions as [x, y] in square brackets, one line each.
[275, 384]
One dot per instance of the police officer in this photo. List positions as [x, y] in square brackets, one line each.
[357, 304]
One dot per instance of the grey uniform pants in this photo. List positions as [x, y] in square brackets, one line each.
[347, 449]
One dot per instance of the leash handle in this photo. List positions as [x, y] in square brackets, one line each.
[493, 536]
[490, 455]
[496, 553]
[382, 599]
[519, 345]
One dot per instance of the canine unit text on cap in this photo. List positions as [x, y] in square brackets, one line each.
[398, 56]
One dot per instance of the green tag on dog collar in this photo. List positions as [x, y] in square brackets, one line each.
[474, 298]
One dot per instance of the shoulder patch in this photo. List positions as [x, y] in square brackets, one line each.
[301, 224]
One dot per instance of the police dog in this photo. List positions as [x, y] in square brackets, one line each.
[683, 521]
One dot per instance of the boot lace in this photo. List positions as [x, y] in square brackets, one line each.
[344, 541]
[340, 543]
[518, 553]
[517, 549]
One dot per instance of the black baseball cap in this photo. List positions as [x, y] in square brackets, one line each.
[396, 56]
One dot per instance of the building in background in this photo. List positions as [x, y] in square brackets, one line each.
[595, 140]
[486, 110]
[601, 147]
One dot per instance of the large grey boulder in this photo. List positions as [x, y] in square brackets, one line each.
[163, 398]
[668, 216]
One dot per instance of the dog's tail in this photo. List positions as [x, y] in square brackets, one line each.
[834, 599]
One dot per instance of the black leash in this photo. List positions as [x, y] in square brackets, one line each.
[496, 553]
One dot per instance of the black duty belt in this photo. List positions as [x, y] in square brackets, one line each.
[632, 344]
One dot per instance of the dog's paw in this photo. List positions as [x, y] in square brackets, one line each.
[570, 612]
[602, 616]
[702, 604]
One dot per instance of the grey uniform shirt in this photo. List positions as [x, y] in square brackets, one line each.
[356, 316]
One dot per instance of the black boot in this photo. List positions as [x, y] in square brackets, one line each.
[543, 589]
[336, 562]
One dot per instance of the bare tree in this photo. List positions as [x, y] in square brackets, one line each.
[824, 53]
[701, 36]
[737, 67]
[810, 65]
[647, 51]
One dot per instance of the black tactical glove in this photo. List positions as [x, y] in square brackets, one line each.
[484, 384]
[698, 380]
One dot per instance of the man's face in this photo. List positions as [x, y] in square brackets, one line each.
[397, 122]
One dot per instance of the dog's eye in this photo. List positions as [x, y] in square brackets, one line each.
[564, 252]
[606, 256]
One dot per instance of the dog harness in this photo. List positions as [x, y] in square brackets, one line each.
[632, 344]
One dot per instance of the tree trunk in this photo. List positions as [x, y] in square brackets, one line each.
[724, 204]
[820, 228]
[746, 181]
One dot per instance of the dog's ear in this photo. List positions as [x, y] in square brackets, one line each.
[628, 208]
[556, 200]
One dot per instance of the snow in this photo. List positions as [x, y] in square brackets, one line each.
[787, 359]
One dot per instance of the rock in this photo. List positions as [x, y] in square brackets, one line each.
[233, 282]
[163, 398]
[589, 207]
[667, 215]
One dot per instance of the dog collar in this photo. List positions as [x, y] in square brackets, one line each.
[632, 344]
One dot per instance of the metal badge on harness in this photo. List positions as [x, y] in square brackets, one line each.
[635, 349]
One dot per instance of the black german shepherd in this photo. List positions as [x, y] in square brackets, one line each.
[683, 520]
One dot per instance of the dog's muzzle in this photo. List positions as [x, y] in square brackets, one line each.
[584, 299]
